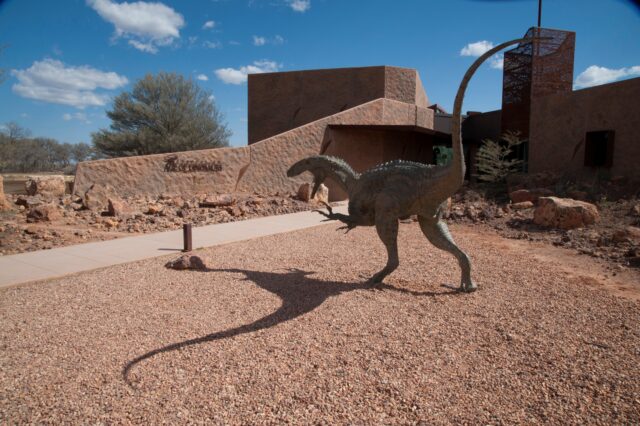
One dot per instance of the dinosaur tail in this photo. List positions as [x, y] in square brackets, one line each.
[322, 167]
[455, 173]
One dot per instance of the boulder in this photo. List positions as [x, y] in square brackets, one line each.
[52, 186]
[118, 208]
[186, 261]
[304, 193]
[628, 234]
[97, 197]
[43, 213]
[532, 195]
[4, 204]
[322, 195]
[564, 213]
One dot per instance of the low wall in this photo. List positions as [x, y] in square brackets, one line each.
[260, 167]
[560, 122]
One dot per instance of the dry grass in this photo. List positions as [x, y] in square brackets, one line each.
[281, 329]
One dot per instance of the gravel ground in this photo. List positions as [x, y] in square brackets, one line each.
[281, 330]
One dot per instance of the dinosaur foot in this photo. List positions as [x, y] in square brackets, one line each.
[468, 287]
[376, 280]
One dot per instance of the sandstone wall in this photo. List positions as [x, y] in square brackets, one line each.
[560, 122]
[283, 101]
[260, 167]
[160, 173]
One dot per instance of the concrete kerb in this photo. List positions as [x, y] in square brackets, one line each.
[45, 264]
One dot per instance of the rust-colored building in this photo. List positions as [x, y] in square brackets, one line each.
[371, 115]
[578, 134]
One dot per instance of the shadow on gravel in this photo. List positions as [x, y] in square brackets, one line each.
[300, 295]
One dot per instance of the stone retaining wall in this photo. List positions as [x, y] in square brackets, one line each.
[260, 167]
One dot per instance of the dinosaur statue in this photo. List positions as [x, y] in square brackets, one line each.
[397, 189]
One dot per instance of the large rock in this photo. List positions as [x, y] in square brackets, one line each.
[52, 186]
[117, 207]
[97, 197]
[565, 213]
[4, 204]
[304, 193]
[43, 213]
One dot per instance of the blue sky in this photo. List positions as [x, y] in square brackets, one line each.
[68, 58]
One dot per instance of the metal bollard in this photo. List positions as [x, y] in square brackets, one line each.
[188, 237]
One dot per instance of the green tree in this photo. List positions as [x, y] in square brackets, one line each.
[163, 113]
[81, 152]
[495, 159]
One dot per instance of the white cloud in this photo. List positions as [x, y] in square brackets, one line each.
[497, 62]
[52, 81]
[212, 44]
[300, 5]
[202, 77]
[208, 25]
[595, 75]
[148, 25]
[476, 49]
[80, 116]
[239, 76]
[145, 47]
[261, 41]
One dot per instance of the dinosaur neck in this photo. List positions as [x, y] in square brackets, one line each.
[338, 170]
[454, 176]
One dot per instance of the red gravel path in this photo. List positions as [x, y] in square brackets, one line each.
[280, 329]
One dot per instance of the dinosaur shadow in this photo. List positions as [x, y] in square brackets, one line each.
[299, 294]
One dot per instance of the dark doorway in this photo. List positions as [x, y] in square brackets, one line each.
[598, 148]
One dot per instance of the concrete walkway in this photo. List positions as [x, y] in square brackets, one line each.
[43, 264]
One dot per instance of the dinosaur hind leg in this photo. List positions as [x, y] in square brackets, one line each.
[388, 232]
[438, 234]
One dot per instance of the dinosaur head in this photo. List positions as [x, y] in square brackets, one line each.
[311, 165]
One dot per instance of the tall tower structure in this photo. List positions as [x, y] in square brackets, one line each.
[541, 67]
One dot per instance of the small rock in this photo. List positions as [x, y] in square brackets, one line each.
[43, 213]
[29, 201]
[522, 195]
[218, 201]
[110, 223]
[234, 211]
[31, 230]
[154, 208]
[186, 262]
[523, 205]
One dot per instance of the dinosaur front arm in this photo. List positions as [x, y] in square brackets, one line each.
[346, 219]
